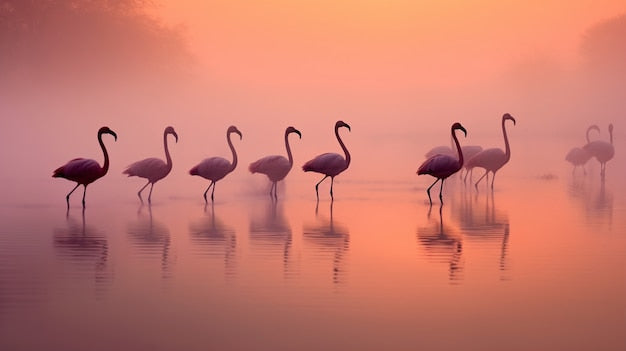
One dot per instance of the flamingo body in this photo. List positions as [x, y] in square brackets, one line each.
[330, 164]
[276, 167]
[579, 156]
[85, 171]
[153, 169]
[216, 168]
[443, 166]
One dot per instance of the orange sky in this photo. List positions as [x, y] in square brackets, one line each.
[361, 44]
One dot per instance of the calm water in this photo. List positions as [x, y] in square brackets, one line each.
[539, 264]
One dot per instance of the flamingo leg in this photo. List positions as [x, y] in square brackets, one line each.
[332, 181]
[481, 178]
[84, 193]
[317, 186]
[441, 191]
[67, 198]
[493, 179]
[150, 195]
[206, 191]
[140, 190]
[275, 190]
[428, 190]
[213, 192]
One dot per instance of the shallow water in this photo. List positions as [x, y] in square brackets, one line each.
[376, 269]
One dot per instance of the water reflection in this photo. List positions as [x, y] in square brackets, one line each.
[85, 248]
[482, 222]
[443, 243]
[329, 239]
[594, 197]
[271, 234]
[151, 238]
[215, 239]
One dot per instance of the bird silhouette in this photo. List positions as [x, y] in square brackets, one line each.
[85, 171]
[442, 166]
[468, 152]
[494, 158]
[578, 156]
[276, 167]
[603, 151]
[216, 168]
[152, 168]
[330, 164]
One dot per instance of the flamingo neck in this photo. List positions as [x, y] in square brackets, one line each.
[232, 149]
[343, 146]
[506, 141]
[611, 135]
[168, 158]
[105, 166]
[289, 156]
[458, 148]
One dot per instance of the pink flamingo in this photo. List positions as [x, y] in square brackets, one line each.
[216, 168]
[602, 150]
[578, 156]
[330, 164]
[152, 168]
[276, 167]
[494, 158]
[442, 166]
[85, 171]
[468, 152]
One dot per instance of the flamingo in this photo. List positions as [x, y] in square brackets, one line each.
[216, 168]
[468, 151]
[276, 167]
[330, 164]
[602, 150]
[152, 168]
[85, 171]
[494, 158]
[578, 156]
[442, 166]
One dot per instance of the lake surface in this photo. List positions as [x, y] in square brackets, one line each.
[537, 264]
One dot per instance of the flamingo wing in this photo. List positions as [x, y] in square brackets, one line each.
[440, 166]
[80, 170]
[214, 168]
[490, 159]
[276, 167]
[150, 168]
[329, 163]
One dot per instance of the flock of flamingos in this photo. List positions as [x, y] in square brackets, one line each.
[441, 162]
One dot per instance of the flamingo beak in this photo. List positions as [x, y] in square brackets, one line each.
[175, 136]
[113, 133]
[238, 132]
[298, 132]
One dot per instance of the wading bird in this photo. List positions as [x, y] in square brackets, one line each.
[152, 168]
[492, 159]
[85, 171]
[442, 166]
[330, 164]
[276, 167]
[578, 156]
[216, 168]
[602, 150]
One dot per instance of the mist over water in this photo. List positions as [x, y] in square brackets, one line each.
[536, 264]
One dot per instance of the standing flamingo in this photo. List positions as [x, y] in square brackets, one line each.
[492, 159]
[578, 156]
[602, 150]
[276, 167]
[468, 152]
[152, 168]
[216, 168]
[330, 164]
[442, 166]
[85, 171]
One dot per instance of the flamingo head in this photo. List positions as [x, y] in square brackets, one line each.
[508, 116]
[293, 130]
[170, 130]
[233, 129]
[106, 130]
[342, 124]
[458, 125]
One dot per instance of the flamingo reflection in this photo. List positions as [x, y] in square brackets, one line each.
[596, 200]
[84, 247]
[151, 238]
[329, 238]
[271, 233]
[483, 223]
[443, 244]
[215, 239]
